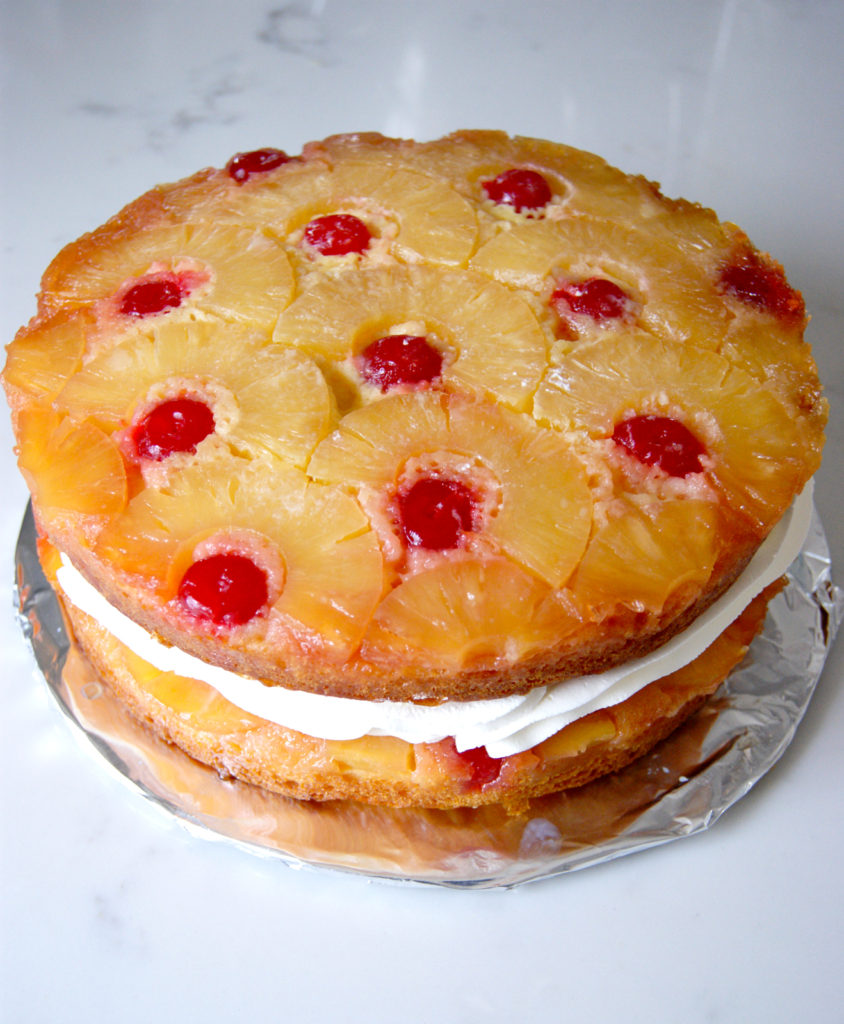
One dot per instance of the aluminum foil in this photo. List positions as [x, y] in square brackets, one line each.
[680, 788]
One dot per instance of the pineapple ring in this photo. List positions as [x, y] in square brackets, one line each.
[628, 562]
[71, 468]
[313, 528]
[584, 183]
[497, 344]
[435, 223]
[777, 358]
[677, 298]
[465, 614]
[250, 275]
[751, 437]
[545, 512]
[593, 187]
[40, 360]
[278, 400]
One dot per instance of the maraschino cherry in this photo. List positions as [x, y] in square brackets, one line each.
[242, 166]
[519, 187]
[434, 513]
[398, 359]
[762, 286]
[485, 769]
[176, 425]
[337, 234]
[661, 441]
[153, 294]
[226, 589]
[595, 297]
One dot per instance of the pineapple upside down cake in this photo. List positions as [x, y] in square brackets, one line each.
[423, 474]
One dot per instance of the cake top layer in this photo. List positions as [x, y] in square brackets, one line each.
[414, 421]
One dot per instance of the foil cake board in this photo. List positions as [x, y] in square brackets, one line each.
[682, 787]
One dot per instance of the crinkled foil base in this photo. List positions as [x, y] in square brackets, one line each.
[682, 787]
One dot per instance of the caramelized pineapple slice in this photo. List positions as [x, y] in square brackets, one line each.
[491, 339]
[580, 181]
[465, 614]
[384, 757]
[674, 296]
[776, 356]
[41, 359]
[759, 453]
[71, 468]
[429, 219]
[222, 270]
[265, 399]
[645, 554]
[193, 701]
[312, 529]
[543, 514]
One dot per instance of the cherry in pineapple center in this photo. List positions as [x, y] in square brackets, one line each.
[434, 513]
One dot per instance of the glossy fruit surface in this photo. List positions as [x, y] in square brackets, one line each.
[762, 286]
[520, 188]
[337, 234]
[661, 441]
[226, 589]
[597, 297]
[485, 769]
[177, 425]
[435, 513]
[400, 359]
[244, 165]
[152, 295]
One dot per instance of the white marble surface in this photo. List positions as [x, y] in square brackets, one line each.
[110, 911]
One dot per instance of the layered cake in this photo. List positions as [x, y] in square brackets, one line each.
[423, 474]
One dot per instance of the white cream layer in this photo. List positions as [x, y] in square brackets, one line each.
[505, 725]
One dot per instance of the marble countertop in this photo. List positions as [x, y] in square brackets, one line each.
[110, 910]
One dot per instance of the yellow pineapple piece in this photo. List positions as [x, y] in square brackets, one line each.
[41, 358]
[310, 528]
[583, 184]
[645, 554]
[265, 399]
[544, 511]
[246, 277]
[759, 452]
[431, 221]
[464, 614]
[194, 701]
[578, 736]
[492, 340]
[381, 756]
[674, 295]
[580, 181]
[71, 468]
[777, 358]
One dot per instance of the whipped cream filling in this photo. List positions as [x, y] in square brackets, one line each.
[506, 725]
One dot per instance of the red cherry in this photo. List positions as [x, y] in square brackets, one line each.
[337, 234]
[762, 286]
[520, 188]
[177, 425]
[244, 165]
[152, 295]
[595, 297]
[661, 441]
[434, 513]
[226, 589]
[400, 359]
[485, 769]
